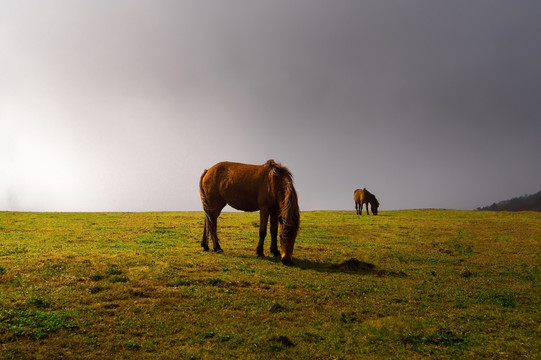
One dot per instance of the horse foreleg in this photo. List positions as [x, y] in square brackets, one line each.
[274, 233]
[263, 219]
[205, 240]
[366, 204]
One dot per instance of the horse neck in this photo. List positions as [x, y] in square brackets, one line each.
[289, 206]
[281, 185]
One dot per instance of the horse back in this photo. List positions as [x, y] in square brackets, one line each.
[244, 187]
[359, 195]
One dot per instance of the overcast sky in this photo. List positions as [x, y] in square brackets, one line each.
[121, 105]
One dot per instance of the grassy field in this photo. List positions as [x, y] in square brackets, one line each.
[400, 285]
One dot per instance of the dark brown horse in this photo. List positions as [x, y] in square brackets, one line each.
[364, 197]
[267, 188]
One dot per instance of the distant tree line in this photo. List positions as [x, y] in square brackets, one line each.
[522, 203]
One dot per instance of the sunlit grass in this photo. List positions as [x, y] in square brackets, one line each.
[403, 284]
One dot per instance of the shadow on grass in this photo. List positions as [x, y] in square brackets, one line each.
[350, 266]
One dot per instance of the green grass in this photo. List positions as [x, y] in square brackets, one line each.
[400, 285]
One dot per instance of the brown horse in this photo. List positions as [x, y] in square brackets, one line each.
[364, 197]
[267, 188]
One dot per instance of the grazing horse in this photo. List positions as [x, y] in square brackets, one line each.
[267, 188]
[364, 197]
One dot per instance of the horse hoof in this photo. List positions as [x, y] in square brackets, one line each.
[260, 256]
[205, 248]
[218, 251]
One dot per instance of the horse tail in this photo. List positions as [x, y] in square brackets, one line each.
[204, 200]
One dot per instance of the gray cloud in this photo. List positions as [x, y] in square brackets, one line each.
[120, 106]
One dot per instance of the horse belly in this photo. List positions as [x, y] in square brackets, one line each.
[242, 197]
[244, 188]
[245, 208]
[243, 204]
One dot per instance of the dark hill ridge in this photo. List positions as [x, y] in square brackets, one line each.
[523, 203]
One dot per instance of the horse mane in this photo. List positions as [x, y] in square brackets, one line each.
[289, 206]
[372, 197]
[277, 169]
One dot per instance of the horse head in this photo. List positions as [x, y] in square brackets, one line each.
[289, 218]
[288, 234]
[374, 206]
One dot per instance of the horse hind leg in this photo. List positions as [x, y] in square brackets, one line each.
[205, 240]
[212, 226]
[214, 237]
[263, 219]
